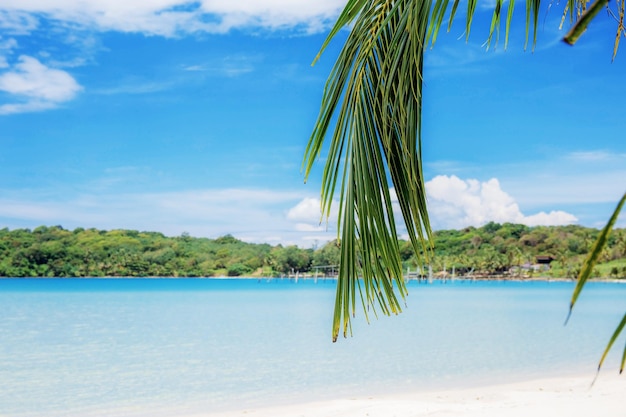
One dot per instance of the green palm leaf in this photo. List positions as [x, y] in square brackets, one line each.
[586, 271]
[595, 252]
[375, 88]
[615, 335]
[371, 110]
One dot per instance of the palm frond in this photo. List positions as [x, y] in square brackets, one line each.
[371, 110]
[620, 28]
[439, 10]
[374, 90]
[595, 252]
[495, 22]
[614, 337]
[509, 18]
[586, 271]
[583, 22]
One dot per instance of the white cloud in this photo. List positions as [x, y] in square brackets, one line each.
[275, 14]
[250, 214]
[194, 68]
[554, 218]
[172, 17]
[28, 107]
[6, 48]
[305, 227]
[255, 215]
[594, 156]
[229, 66]
[136, 88]
[308, 210]
[8, 44]
[455, 203]
[308, 217]
[36, 86]
[17, 22]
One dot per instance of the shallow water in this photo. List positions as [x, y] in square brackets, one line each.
[98, 347]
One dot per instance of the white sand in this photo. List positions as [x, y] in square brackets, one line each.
[556, 397]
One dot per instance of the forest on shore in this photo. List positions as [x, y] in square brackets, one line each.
[491, 250]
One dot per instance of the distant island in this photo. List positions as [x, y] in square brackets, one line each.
[493, 250]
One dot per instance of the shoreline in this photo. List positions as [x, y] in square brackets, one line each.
[574, 396]
[321, 278]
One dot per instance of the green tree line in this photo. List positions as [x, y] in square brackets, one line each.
[493, 249]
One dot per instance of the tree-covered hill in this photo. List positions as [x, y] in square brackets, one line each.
[497, 248]
[488, 250]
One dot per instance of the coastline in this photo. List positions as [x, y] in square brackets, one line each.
[330, 278]
[574, 396]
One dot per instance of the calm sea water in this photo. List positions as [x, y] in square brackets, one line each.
[151, 347]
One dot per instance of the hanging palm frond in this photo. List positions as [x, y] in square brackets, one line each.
[585, 274]
[376, 89]
[583, 21]
[371, 109]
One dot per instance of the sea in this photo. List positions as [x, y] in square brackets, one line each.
[176, 347]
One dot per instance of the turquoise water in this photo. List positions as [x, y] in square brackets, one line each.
[151, 347]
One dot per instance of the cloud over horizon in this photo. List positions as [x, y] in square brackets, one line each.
[261, 215]
[253, 215]
[455, 203]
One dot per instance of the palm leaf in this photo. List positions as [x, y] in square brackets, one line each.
[371, 110]
[620, 26]
[495, 22]
[509, 17]
[453, 13]
[374, 91]
[471, 8]
[585, 273]
[439, 10]
[532, 12]
[581, 24]
[615, 335]
[592, 258]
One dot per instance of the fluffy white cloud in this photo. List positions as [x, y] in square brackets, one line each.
[455, 203]
[308, 217]
[36, 86]
[312, 15]
[170, 17]
[554, 218]
[307, 210]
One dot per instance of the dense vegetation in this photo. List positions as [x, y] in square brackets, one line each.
[509, 249]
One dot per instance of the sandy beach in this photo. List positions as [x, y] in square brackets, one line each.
[567, 396]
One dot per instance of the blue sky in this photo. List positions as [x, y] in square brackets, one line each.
[192, 117]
